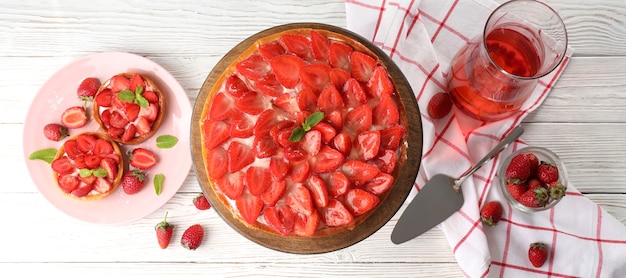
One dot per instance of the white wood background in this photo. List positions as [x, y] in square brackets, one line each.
[583, 120]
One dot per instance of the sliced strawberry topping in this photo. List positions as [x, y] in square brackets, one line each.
[271, 50]
[312, 142]
[151, 96]
[379, 184]
[335, 214]
[358, 120]
[129, 133]
[251, 103]
[222, 107]
[115, 132]
[287, 69]
[307, 100]
[102, 147]
[338, 77]
[231, 185]
[386, 112]
[151, 112]
[86, 142]
[330, 99]
[338, 184]
[300, 171]
[359, 171]
[68, 183]
[280, 218]
[215, 132]
[328, 131]
[143, 126]
[74, 117]
[265, 122]
[318, 190]
[379, 84]
[306, 225]
[117, 120]
[264, 147]
[391, 137]
[367, 144]
[362, 66]
[257, 180]
[386, 161]
[315, 76]
[217, 162]
[354, 94]
[102, 185]
[136, 81]
[62, 165]
[249, 207]
[235, 86]
[143, 159]
[297, 44]
[286, 103]
[92, 161]
[339, 55]
[253, 67]
[110, 166]
[359, 201]
[327, 160]
[343, 143]
[269, 85]
[71, 148]
[88, 180]
[299, 199]
[103, 98]
[274, 192]
[335, 119]
[119, 83]
[319, 46]
[82, 190]
[279, 168]
[239, 156]
[241, 126]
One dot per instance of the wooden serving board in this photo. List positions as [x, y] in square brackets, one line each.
[378, 217]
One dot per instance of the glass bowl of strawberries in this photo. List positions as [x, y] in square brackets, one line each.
[533, 179]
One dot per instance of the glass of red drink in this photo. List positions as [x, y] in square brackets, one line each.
[492, 76]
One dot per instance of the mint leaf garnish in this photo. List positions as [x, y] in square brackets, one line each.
[158, 183]
[308, 124]
[166, 141]
[85, 172]
[126, 96]
[46, 155]
[99, 172]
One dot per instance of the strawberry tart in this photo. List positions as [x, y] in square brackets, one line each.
[88, 166]
[303, 133]
[129, 107]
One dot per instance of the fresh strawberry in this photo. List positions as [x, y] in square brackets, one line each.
[535, 183]
[439, 105]
[359, 171]
[82, 190]
[235, 87]
[217, 162]
[118, 120]
[151, 97]
[231, 185]
[362, 66]
[239, 156]
[358, 119]
[102, 185]
[327, 131]
[516, 189]
[315, 76]
[253, 67]
[279, 168]
[119, 83]
[547, 172]
[137, 81]
[335, 119]
[251, 103]
[264, 124]
[367, 144]
[557, 190]
[339, 77]
[143, 126]
[88, 88]
[319, 192]
[115, 132]
[312, 142]
[538, 254]
[306, 225]
[491, 213]
[343, 143]
[192, 237]
[104, 98]
[249, 207]
[287, 69]
[110, 166]
[55, 132]
[269, 85]
[319, 46]
[264, 147]
[164, 232]
[300, 171]
[257, 179]
[217, 132]
[74, 117]
[92, 161]
[271, 50]
[534, 198]
[339, 55]
[274, 193]
[386, 161]
[335, 214]
[102, 147]
[68, 183]
[151, 112]
[379, 184]
[359, 201]
[241, 126]
[307, 99]
[62, 165]
[534, 163]
[133, 181]
[386, 112]
[380, 84]
[200, 202]
[518, 168]
[280, 218]
[327, 160]
[391, 137]
[330, 99]
[297, 44]
[86, 142]
[129, 133]
[222, 107]
[142, 158]
[299, 198]
[338, 184]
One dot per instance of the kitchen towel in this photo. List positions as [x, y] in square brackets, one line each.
[421, 37]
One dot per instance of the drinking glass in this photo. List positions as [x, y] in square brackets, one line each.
[492, 76]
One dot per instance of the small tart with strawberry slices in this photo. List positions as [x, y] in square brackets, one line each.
[303, 133]
[88, 166]
[129, 107]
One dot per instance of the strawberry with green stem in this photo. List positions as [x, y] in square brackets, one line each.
[164, 232]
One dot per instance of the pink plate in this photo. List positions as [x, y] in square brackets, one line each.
[59, 93]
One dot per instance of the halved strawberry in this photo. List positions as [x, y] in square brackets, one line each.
[297, 44]
[151, 96]
[241, 126]
[358, 119]
[74, 117]
[379, 84]
[330, 99]
[79, 161]
[104, 97]
[71, 148]
[307, 99]
[335, 214]
[328, 131]
[359, 171]
[312, 142]
[318, 190]
[117, 119]
[86, 142]
[271, 50]
[129, 133]
[110, 166]
[82, 190]
[269, 85]
[338, 77]
[359, 201]
[379, 184]
[249, 207]
[92, 161]
[239, 156]
[391, 137]
[142, 158]
[280, 218]
[362, 66]
[327, 160]
[339, 55]
[279, 168]
[335, 119]
[264, 147]
[222, 107]
[68, 183]
[235, 86]
[299, 199]
[63, 165]
[286, 103]
[343, 143]
[315, 76]
[253, 67]
[257, 179]
[274, 192]
[151, 112]
[287, 69]
[105, 117]
[231, 184]
[251, 103]
[354, 94]
[88, 179]
[217, 162]
[319, 46]
[215, 132]
[143, 126]
[136, 81]
[115, 132]
[119, 83]
[306, 225]
[338, 184]
[386, 112]
[367, 144]
[102, 185]
[386, 161]
[102, 147]
[300, 171]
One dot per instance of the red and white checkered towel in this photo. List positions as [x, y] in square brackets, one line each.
[422, 36]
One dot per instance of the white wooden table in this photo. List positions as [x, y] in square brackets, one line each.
[583, 120]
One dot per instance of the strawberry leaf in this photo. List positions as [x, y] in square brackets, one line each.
[126, 96]
[166, 141]
[46, 155]
[297, 134]
[158, 183]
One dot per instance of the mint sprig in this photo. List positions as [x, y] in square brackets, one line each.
[308, 124]
[136, 96]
